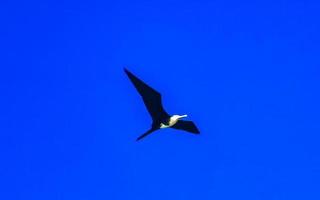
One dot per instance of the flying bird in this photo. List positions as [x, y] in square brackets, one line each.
[160, 118]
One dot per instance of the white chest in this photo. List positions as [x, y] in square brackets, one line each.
[172, 122]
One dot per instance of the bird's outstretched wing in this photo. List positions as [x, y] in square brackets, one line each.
[186, 126]
[151, 98]
[146, 133]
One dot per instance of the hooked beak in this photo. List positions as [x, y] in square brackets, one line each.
[182, 116]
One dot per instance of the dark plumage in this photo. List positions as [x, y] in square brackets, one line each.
[153, 102]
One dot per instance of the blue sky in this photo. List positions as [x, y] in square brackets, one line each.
[247, 72]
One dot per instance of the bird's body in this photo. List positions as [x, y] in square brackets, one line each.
[161, 119]
[172, 121]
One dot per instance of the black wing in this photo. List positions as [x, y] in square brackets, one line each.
[151, 98]
[186, 126]
[146, 133]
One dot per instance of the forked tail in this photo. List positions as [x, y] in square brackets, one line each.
[146, 133]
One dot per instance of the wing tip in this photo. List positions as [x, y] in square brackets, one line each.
[196, 131]
[126, 70]
[130, 75]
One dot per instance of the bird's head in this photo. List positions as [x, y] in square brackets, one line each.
[179, 116]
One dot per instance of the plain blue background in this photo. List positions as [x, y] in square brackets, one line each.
[247, 72]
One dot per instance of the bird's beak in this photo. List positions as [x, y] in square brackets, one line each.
[182, 116]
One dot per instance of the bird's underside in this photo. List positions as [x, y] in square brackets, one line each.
[153, 102]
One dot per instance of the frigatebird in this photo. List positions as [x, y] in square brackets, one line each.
[160, 118]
